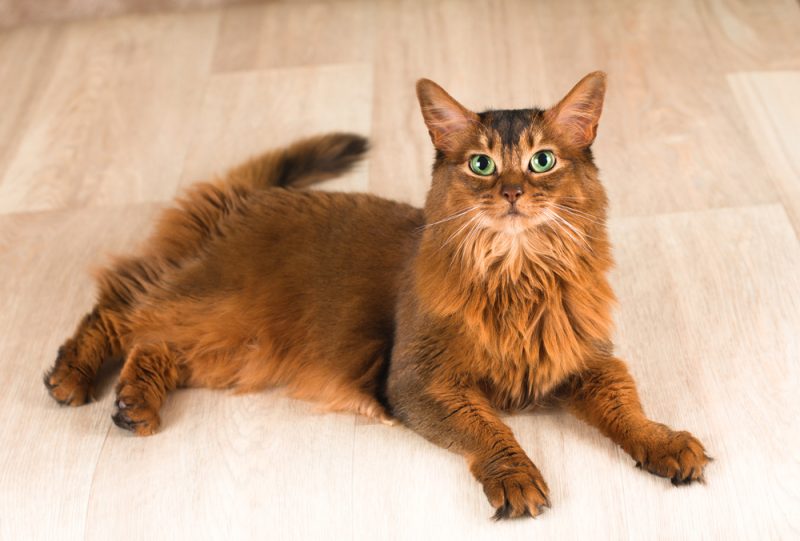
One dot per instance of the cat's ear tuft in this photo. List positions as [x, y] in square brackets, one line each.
[448, 121]
[576, 116]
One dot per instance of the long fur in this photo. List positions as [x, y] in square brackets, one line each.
[440, 317]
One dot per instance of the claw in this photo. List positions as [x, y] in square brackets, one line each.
[502, 511]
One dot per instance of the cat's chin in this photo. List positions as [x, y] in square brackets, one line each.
[517, 223]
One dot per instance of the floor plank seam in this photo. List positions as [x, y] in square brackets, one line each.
[92, 483]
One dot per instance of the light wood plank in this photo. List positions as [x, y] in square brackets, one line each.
[752, 35]
[116, 115]
[769, 105]
[710, 308]
[49, 453]
[245, 114]
[24, 12]
[281, 35]
[22, 83]
[259, 466]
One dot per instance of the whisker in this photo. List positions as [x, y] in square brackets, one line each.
[577, 213]
[557, 221]
[470, 234]
[459, 230]
[473, 232]
[573, 210]
[580, 234]
[572, 227]
[458, 214]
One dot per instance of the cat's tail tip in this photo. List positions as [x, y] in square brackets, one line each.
[304, 162]
[322, 157]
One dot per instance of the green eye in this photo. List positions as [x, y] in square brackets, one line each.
[481, 164]
[543, 161]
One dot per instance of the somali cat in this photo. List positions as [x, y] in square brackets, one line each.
[493, 298]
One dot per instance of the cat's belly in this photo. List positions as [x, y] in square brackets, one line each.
[247, 351]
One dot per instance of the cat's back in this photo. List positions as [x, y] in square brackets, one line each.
[334, 230]
[308, 250]
[313, 211]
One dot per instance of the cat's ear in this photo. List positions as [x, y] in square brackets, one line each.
[448, 121]
[576, 116]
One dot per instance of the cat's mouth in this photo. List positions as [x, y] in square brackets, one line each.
[514, 220]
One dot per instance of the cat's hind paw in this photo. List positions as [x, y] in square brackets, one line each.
[66, 384]
[142, 420]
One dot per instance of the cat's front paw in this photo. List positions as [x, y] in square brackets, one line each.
[67, 385]
[678, 456]
[516, 491]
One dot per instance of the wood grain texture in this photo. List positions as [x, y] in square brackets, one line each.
[238, 467]
[100, 134]
[23, 83]
[769, 104]
[19, 12]
[49, 454]
[332, 33]
[697, 147]
[721, 309]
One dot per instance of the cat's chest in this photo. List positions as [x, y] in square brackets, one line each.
[528, 344]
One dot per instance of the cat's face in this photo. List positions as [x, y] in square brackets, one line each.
[511, 172]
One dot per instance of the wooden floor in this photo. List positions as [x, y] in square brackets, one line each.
[104, 120]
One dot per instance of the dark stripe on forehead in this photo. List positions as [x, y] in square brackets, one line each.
[509, 124]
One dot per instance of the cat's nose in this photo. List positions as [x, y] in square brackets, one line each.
[511, 192]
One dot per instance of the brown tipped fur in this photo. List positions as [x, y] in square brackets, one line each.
[492, 298]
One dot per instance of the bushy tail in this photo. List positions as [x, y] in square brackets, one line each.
[302, 163]
[183, 230]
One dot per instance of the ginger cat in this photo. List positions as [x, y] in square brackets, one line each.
[493, 298]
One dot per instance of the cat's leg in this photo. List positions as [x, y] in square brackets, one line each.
[101, 333]
[98, 337]
[605, 396]
[462, 420]
[149, 373]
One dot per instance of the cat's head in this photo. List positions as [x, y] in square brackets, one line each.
[512, 173]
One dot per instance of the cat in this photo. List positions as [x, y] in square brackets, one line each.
[492, 298]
